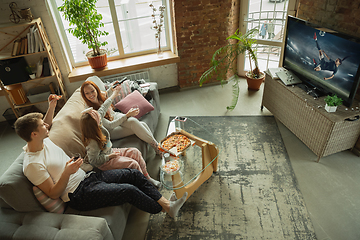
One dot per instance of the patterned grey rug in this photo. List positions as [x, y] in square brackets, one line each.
[254, 194]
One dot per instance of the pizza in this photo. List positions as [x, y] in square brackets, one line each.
[179, 141]
[53, 96]
[171, 166]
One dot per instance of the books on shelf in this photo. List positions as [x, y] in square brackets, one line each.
[31, 39]
[38, 44]
[22, 50]
[19, 47]
[30, 43]
[15, 47]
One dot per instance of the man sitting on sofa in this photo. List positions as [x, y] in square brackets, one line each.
[48, 167]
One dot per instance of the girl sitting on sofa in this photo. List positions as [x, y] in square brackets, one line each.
[48, 167]
[118, 124]
[98, 145]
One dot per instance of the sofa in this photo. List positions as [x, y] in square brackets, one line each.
[21, 214]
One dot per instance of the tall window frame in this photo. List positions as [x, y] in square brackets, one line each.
[265, 48]
[120, 8]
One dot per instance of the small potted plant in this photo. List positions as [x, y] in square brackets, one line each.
[82, 14]
[224, 61]
[332, 102]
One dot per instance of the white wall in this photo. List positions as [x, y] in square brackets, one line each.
[165, 76]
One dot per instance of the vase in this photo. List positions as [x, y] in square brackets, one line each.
[254, 83]
[159, 50]
[97, 61]
[330, 108]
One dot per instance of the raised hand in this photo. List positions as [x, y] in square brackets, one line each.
[133, 112]
[52, 99]
[73, 166]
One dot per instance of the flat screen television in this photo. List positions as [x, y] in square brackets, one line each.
[326, 60]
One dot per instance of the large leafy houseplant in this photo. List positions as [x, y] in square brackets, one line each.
[224, 61]
[82, 14]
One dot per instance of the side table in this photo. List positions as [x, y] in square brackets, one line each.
[192, 176]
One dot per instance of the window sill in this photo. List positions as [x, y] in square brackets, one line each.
[124, 65]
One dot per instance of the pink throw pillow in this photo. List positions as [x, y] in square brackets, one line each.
[133, 99]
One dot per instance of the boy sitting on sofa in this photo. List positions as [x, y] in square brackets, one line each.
[48, 167]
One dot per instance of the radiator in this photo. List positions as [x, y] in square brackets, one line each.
[130, 76]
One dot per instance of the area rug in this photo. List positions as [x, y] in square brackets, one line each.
[253, 195]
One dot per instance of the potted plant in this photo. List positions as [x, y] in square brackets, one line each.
[82, 14]
[224, 61]
[332, 102]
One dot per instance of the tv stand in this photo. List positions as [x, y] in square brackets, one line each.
[305, 116]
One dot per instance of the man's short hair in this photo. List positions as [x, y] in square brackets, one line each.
[27, 124]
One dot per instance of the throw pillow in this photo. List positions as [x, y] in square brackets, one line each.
[133, 99]
[97, 81]
[51, 205]
[125, 90]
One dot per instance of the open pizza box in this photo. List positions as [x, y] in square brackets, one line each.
[176, 143]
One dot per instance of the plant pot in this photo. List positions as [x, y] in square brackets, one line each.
[97, 61]
[254, 83]
[330, 108]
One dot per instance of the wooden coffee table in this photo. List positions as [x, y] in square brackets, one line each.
[198, 162]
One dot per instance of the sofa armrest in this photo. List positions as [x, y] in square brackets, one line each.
[16, 190]
[152, 118]
[155, 95]
[45, 225]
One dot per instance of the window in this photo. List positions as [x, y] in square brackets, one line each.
[129, 23]
[269, 16]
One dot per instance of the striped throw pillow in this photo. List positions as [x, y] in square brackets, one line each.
[125, 90]
[51, 205]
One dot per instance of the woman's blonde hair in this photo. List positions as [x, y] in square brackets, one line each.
[100, 96]
[91, 130]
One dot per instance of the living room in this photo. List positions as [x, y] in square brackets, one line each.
[329, 187]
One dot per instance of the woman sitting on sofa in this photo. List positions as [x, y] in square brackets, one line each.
[118, 124]
[98, 146]
[49, 168]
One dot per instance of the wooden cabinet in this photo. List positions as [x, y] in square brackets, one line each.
[324, 133]
[11, 32]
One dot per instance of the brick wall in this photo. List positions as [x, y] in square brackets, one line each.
[201, 28]
[203, 25]
[343, 16]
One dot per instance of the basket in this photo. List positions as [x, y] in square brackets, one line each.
[17, 93]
